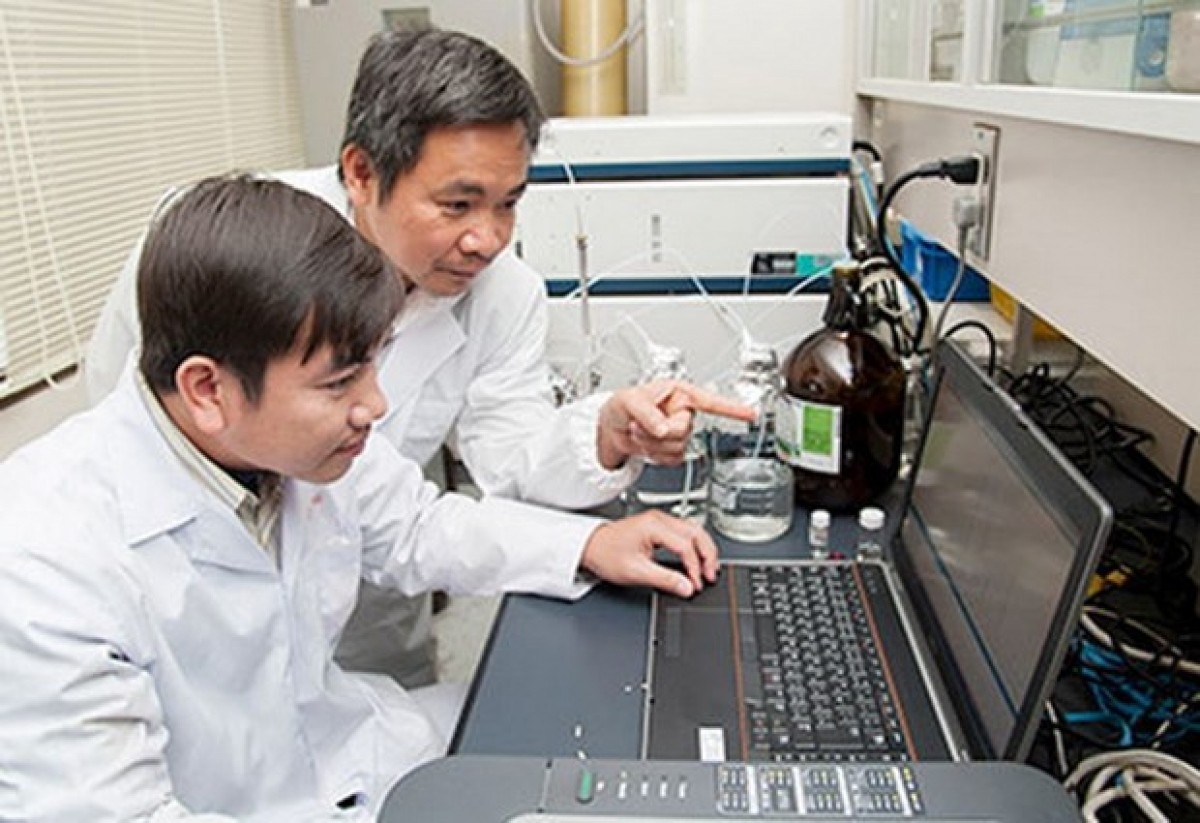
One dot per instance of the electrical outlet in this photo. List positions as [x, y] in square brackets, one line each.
[985, 140]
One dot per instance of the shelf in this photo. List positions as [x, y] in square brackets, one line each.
[1163, 116]
[1097, 14]
[1092, 64]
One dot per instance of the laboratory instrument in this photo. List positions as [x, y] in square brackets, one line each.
[541, 790]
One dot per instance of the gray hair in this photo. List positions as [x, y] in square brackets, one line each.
[411, 82]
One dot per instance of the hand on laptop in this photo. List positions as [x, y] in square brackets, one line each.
[622, 552]
[654, 420]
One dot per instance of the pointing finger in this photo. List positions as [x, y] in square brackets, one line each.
[694, 398]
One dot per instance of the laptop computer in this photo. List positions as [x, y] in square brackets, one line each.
[945, 649]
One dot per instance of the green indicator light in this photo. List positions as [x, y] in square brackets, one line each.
[587, 787]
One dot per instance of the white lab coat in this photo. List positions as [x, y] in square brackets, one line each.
[472, 366]
[157, 664]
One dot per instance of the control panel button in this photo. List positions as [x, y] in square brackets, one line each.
[585, 792]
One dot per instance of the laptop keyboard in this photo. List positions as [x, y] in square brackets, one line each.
[814, 683]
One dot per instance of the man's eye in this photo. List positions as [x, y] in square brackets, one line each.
[340, 383]
[457, 206]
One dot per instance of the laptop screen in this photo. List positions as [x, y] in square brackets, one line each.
[998, 541]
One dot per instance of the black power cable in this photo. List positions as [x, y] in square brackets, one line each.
[1132, 676]
[965, 169]
[993, 348]
[869, 148]
[1185, 459]
[1147, 555]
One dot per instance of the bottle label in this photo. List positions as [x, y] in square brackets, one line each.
[809, 435]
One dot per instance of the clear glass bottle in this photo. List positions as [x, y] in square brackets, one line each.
[750, 491]
[751, 498]
[680, 490]
[818, 534]
[840, 420]
[757, 384]
[870, 533]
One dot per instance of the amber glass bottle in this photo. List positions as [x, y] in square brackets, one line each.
[840, 420]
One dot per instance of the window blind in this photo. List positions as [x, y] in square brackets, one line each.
[104, 104]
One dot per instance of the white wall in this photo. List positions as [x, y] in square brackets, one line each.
[738, 55]
[329, 39]
[749, 55]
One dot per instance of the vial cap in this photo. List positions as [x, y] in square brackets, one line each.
[819, 518]
[871, 518]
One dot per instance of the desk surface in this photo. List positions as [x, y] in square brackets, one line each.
[565, 679]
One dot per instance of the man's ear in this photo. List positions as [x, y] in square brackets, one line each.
[207, 393]
[358, 174]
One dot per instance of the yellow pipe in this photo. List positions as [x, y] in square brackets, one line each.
[589, 27]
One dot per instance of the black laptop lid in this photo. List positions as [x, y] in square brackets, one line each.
[996, 548]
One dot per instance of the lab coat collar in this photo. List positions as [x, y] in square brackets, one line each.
[420, 305]
[157, 494]
[426, 335]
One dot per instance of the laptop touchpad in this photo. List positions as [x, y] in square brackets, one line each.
[694, 666]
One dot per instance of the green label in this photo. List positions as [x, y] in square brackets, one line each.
[809, 435]
[818, 430]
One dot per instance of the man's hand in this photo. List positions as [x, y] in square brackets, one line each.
[621, 552]
[654, 421]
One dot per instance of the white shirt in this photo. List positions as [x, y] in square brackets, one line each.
[158, 665]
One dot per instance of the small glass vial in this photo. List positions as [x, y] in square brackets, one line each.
[679, 490]
[870, 533]
[818, 534]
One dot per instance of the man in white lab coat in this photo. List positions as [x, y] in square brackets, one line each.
[439, 133]
[177, 563]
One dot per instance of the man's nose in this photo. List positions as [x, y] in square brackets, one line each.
[371, 403]
[486, 236]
